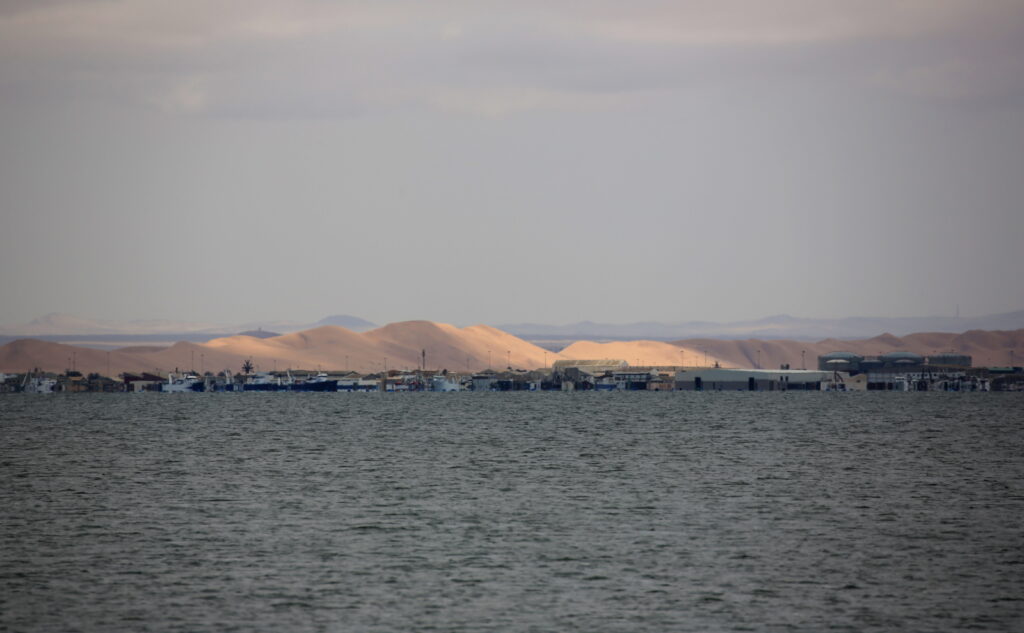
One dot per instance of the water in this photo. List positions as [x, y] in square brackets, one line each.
[512, 512]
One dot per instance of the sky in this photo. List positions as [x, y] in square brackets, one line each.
[500, 162]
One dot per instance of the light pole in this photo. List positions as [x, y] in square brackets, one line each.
[705, 358]
[488, 360]
[803, 363]
[508, 356]
[759, 359]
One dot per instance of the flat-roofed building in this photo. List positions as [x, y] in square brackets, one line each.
[720, 379]
[593, 366]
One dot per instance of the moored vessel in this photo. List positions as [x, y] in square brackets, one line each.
[317, 382]
[183, 384]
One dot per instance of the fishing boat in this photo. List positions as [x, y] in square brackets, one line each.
[316, 382]
[35, 383]
[265, 381]
[183, 383]
[441, 382]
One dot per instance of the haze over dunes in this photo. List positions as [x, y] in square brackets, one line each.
[474, 348]
[67, 325]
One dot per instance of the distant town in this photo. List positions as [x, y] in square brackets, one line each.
[835, 371]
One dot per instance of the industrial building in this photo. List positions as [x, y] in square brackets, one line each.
[719, 379]
[907, 361]
[906, 371]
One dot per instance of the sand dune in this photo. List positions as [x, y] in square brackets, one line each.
[27, 354]
[400, 345]
[642, 353]
[986, 348]
[475, 348]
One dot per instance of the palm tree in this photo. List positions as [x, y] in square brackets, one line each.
[247, 366]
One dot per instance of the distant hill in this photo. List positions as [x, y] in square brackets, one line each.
[346, 321]
[259, 333]
[773, 327]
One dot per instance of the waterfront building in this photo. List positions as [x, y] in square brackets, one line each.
[906, 371]
[721, 379]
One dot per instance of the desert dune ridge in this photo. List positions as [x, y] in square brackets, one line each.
[403, 345]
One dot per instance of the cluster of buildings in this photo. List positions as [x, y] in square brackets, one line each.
[69, 382]
[836, 371]
[907, 371]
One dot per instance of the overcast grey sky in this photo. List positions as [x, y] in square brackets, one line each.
[473, 161]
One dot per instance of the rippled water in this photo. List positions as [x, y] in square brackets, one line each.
[512, 512]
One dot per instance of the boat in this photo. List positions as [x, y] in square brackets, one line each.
[184, 383]
[265, 381]
[35, 383]
[317, 382]
[443, 382]
[358, 385]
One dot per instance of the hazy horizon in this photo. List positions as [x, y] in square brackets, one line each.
[289, 319]
[481, 163]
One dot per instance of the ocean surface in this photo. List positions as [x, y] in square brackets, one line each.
[512, 512]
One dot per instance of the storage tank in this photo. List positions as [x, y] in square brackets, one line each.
[840, 361]
[901, 358]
